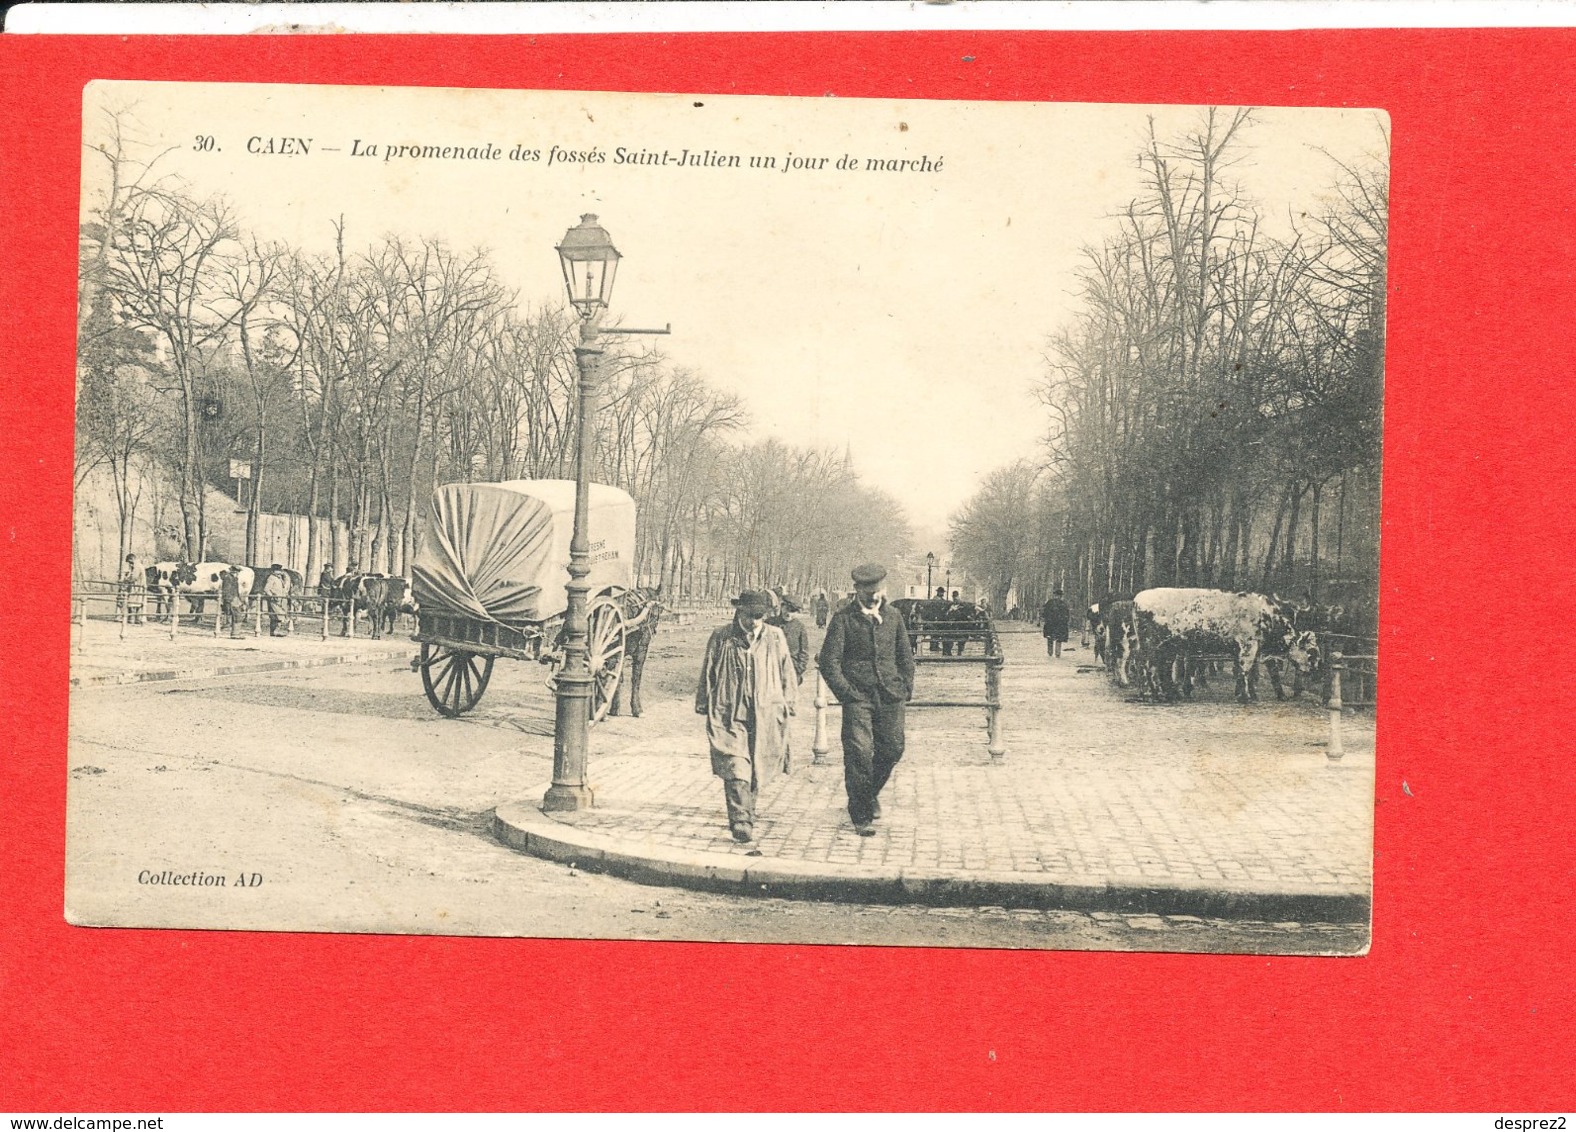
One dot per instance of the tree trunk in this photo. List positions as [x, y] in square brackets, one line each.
[333, 518]
[1228, 577]
[1289, 559]
[254, 505]
[408, 527]
[1313, 586]
[1340, 527]
[1269, 554]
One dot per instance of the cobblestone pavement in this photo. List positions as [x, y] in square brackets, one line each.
[1095, 788]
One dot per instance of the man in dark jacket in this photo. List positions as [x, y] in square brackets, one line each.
[822, 608]
[230, 600]
[868, 663]
[1055, 619]
[782, 616]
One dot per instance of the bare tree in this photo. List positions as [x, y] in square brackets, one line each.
[163, 267]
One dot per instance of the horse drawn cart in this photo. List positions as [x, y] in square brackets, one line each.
[489, 582]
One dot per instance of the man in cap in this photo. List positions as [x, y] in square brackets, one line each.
[746, 693]
[868, 662]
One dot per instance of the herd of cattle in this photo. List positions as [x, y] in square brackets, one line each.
[380, 597]
[1166, 641]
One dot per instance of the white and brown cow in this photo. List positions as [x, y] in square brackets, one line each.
[1174, 627]
[162, 578]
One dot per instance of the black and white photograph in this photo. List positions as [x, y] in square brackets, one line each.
[727, 518]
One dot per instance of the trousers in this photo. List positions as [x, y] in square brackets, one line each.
[740, 798]
[872, 746]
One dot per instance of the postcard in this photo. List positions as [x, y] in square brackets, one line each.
[727, 518]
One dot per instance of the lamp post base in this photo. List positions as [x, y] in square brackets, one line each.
[561, 799]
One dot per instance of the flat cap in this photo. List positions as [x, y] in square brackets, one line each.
[869, 574]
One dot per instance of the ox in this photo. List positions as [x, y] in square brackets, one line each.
[277, 587]
[1120, 637]
[196, 582]
[162, 578]
[380, 596]
[1174, 627]
[1339, 625]
[1100, 616]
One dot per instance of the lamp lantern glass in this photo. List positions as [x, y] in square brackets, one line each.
[590, 261]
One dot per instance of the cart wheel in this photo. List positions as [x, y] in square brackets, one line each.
[605, 647]
[454, 680]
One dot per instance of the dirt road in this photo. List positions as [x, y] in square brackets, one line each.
[354, 807]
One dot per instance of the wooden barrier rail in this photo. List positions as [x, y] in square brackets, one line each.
[992, 660]
[132, 607]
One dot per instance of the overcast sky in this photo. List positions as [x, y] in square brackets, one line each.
[902, 314]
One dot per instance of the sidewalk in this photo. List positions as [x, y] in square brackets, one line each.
[147, 653]
[1206, 808]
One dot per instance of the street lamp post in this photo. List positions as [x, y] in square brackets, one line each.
[590, 262]
[930, 565]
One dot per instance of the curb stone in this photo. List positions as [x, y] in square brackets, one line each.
[523, 827]
[159, 675]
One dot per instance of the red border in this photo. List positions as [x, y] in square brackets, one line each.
[1466, 1001]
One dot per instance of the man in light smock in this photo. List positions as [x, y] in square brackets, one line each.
[746, 693]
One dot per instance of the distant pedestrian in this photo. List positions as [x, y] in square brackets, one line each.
[746, 693]
[230, 601]
[325, 588]
[822, 607]
[1056, 618]
[937, 619]
[798, 638]
[868, 662]
[782, 616]
[133, 583]
[270, 584]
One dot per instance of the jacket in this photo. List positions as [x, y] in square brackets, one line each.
[746, 694]
[863, 661]
[798, 642]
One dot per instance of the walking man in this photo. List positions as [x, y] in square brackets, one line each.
[746, 693]
[782, 616]
[230, 598]
[1056, 617]
[868, 663]
[798, 638]
[823, 609]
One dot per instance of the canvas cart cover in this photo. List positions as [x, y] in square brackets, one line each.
[500, 551]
